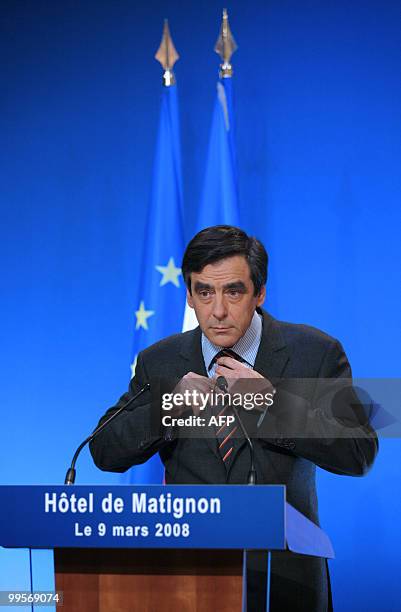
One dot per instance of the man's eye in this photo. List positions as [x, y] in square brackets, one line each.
[233, 292]
[204, 293]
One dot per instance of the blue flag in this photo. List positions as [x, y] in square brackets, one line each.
[161, 296]
[219, 203]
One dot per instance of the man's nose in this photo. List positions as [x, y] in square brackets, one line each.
[219, 308]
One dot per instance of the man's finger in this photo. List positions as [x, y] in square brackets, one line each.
[227, 372]
[193, 375]
[229, 362]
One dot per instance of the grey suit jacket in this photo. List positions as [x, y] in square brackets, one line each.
[286, 351]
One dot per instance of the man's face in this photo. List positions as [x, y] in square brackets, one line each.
[223, 299]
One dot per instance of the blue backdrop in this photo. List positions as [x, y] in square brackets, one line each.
[317, 99]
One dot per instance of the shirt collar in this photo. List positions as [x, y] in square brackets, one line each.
[247, 346]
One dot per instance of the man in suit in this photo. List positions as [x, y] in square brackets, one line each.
[225, 271]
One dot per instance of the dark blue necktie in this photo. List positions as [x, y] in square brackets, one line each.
[225, 434]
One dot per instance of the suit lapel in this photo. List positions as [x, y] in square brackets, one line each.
[191, 352]
[273, 353]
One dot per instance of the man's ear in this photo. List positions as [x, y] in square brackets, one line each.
[189, 299]
[262, 296]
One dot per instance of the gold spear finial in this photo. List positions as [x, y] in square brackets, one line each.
[167, 55]
[225, 47]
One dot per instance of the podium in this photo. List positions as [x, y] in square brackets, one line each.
[146, 548]
[149, 580]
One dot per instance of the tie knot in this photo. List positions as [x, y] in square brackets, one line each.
[227, 352]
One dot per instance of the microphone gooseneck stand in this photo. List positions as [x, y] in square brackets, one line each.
[70, 476]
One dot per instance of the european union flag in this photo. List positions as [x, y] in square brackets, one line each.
[161, 295]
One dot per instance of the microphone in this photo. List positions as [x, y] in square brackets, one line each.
[70, 476]
[222, 384]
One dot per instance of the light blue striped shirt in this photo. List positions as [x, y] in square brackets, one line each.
[247, 346]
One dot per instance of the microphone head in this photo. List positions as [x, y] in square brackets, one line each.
[222, 383]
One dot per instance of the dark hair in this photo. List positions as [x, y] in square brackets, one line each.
[219, 242]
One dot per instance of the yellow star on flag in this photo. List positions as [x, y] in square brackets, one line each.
[142, 316]
[170, 273]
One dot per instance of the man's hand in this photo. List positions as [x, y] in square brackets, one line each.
[233, 369]
[191, 386]
[244, 381]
